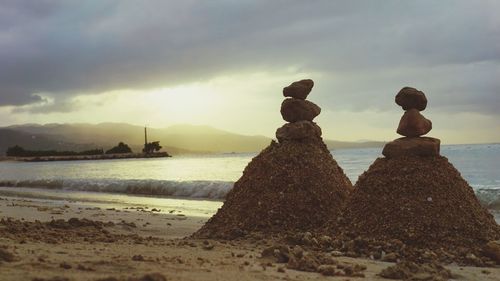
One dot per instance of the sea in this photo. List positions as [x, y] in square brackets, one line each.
[198, 184]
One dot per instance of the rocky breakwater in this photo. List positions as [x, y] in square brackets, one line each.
[414, 205]
[293, 184]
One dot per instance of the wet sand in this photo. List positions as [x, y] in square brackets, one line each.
[141, 240]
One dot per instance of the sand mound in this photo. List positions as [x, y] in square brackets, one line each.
[422, 201]
[413, 203]
[288, 186]
[291, 185]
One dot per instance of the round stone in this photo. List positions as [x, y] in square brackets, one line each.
[298, 131]
[293, 110]
[411, 98]
[414, 124]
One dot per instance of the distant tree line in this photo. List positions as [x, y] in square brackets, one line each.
[120, 148]
[17, 151]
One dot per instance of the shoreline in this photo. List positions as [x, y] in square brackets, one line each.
[38, 193]
[147, 241]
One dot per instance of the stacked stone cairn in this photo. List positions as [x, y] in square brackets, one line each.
[299, 112]
[414, 204]
[292, 185]
[412, 126]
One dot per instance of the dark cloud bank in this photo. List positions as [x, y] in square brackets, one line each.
[362, 51]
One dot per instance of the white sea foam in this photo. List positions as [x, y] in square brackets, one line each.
[189, 189]
[489, 197]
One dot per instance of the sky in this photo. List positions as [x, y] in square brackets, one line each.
[224, 63]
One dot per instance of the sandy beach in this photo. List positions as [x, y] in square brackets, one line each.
[123, 243]
[249, 140]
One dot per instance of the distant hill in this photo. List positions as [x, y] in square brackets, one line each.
[9, 137]
[176, 139]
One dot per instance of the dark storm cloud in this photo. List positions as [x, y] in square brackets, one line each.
[364, 50]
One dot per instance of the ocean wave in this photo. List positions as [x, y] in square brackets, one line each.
[201, 189]
[489, 197]
[188, 189]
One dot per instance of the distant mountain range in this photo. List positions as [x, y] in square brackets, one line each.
[178, 139]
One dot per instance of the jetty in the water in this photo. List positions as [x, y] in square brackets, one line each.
[121, 151]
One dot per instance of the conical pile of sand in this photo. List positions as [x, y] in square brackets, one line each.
[291, 185]
[415, 195]
[422, 201]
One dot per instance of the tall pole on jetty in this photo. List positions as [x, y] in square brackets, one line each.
[145, 137]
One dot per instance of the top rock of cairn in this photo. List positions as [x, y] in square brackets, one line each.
[299, 89]
[300, 113]
[411, 98]
[412, 126]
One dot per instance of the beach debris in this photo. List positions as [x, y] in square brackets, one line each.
[207, 245]
[390, 257]
[138, 258]
[278, 253]
[389, 250]
[416, 197]
[75, 222]
[55, 278]
[408, 270]
[62, 231]
[150, 277]
[108, 279]
[65, 265]
[84, 268]
[146, 277]
[311, 261]
[492, 250]
[127, 224]
[5, 255]
[293, 184]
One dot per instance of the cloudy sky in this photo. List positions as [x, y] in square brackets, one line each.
[224, 63]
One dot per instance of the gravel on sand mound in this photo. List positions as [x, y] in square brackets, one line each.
[294, 185]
